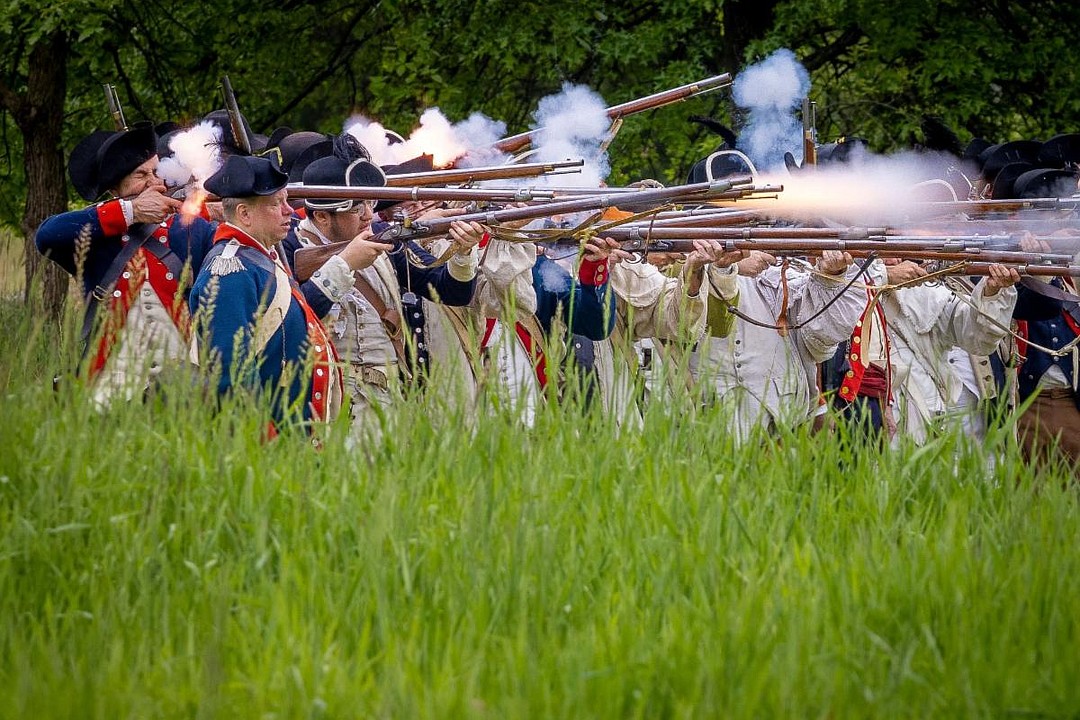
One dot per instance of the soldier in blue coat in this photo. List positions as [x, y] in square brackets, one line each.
[1049, 319]
[255, 329]
[134, 256]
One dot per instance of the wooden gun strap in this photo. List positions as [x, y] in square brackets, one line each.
[390, 317]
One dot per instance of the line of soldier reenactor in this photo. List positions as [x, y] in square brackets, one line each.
[775, 343]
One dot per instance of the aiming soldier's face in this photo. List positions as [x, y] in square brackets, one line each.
[345, 225]
[141, 179]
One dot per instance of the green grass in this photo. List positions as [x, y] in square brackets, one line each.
[158, 562]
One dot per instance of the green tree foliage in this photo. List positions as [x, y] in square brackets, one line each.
[996, 69]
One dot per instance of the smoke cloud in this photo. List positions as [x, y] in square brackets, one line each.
[868, 189]
[435, 136]
[573, 124]
[772, 90]
[196, 155]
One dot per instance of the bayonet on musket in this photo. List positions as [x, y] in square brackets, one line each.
[112, 99]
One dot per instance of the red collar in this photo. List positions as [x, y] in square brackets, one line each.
[226, 232]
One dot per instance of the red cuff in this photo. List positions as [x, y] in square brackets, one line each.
[592, 272]
[111, 216]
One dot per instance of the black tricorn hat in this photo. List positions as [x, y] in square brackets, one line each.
[243, 176]
[1041, 182]
[294, 145]
[1010, 152]
[164, 138]
[279, 134]
[418, 164]
[975, 148]
[844, 150]
[337, 171]
[721, 164]
[1006, 179]
[301, 149]
[1060, 151]
[102, 159]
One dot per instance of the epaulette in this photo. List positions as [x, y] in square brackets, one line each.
[227, 263]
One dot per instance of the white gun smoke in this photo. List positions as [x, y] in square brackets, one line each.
[573, 124]
[436, 136]
[195, 155]
[771, 90]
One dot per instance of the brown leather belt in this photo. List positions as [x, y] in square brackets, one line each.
[369, 375]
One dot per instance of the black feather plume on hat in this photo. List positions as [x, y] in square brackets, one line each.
[348, 148]
[717, 127]
[939, 136]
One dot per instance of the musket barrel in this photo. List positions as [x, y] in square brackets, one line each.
[599, 201]
[112, 99]
[235, 119]
[515, 143]
[640, 242]
[488, 172]
[983, 268]
[1007, 205]
[341, 192]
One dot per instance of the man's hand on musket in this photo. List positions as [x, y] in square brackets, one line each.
[362, 251]
[999, 278]
[151, 206]
[707, 252]
[833, 262]
[712, 252]
[755, 263]
[600, 249]
[905, 272]
[465, 235]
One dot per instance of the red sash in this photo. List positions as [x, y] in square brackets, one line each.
[539, 362]
[853, 378]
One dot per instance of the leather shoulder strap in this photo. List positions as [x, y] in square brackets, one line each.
[390, 317]
[137, 236]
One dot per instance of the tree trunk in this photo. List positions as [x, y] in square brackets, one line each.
[744, 22]
[41, 122]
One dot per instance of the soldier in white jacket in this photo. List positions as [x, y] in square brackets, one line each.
[667, 308]
[904, 338]
[926, 322]
[763, 375]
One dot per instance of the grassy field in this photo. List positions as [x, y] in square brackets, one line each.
[158, 561]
